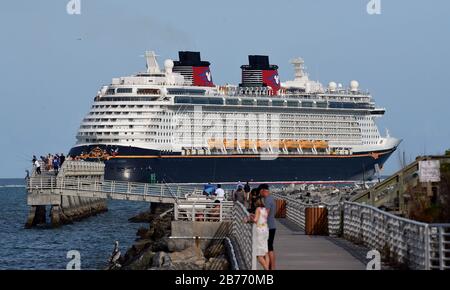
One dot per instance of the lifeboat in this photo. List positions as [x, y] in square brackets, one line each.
[252, 144]
[243, 144]
[291, 144]
[215, 143]
[230, 143]
[321, 144]
[276, 144]
[305, 144]
[263, 144]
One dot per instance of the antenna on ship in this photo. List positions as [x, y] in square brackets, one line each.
[152, 64]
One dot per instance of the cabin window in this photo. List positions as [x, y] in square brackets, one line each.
[247, 102]
[278, 103]
[124, 90]
[232, 102]
[263, 103]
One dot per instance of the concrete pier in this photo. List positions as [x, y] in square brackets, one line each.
[64, 209]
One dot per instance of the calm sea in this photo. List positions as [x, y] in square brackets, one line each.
[46, 248]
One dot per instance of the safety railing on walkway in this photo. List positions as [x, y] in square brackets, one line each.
[243, 234]
[205, 210]
[401, 241]
[60, 185]
[439, 247]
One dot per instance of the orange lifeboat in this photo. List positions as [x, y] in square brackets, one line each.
[292, 144]
[305, 144]
[276, 144]
[215, 143]
[229, 144]
[243, 144]
[263, 144]
[321, 144]
[252, 144]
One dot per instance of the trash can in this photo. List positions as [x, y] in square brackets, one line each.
[316, 221]
[280, 212]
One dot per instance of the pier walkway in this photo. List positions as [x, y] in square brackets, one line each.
[297, 251]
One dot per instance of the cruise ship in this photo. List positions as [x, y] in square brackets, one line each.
[174, 125]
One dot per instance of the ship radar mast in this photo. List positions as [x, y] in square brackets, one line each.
[152, 64]
[299, 67]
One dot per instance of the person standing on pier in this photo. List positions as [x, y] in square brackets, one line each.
[62, 158]
[270, 205]
[262, 233]
[37, 164]
[56, 164]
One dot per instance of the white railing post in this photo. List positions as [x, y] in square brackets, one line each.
[441, 248]
[175, 211]
[427, 248]
[253, 250]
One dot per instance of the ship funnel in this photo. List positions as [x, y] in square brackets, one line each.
[260, 73]
[195, 71]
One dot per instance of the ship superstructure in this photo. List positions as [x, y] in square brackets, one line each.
[175, 125]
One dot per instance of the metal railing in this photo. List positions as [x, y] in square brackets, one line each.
[204, 211]
[243, 235]
[59, 185]
[439, 247]
[402, 240]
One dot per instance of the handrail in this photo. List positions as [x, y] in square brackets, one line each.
[204, 211]
[415, 244]
[243, 234]
[53, 184]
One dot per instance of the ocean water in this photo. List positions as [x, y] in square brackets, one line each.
[46, 248]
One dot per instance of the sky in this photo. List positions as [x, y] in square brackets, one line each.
[52, 63]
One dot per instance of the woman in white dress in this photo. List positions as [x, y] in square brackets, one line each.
[262, 233]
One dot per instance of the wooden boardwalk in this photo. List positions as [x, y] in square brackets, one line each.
[296, 251]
